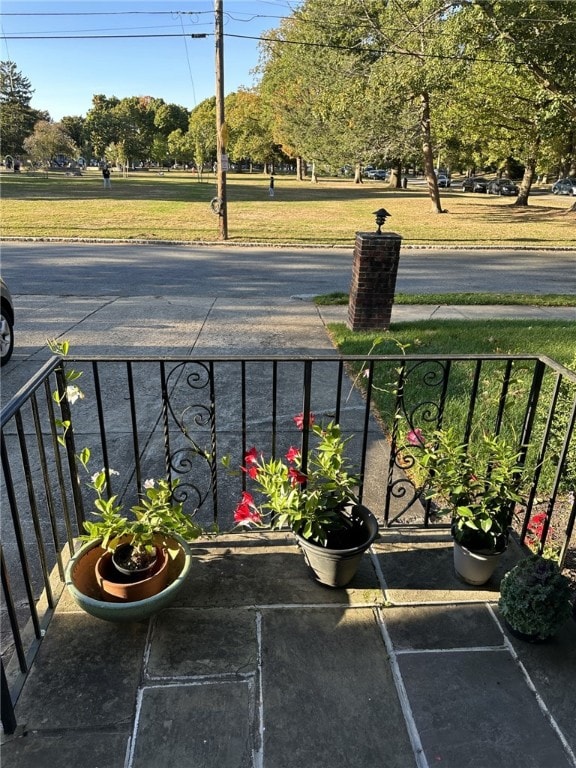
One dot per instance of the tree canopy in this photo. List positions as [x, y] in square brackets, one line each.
[462, 84]
[17, 118]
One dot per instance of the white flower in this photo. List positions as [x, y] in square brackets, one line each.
[96, 475]
[149, 483]
[73, 393]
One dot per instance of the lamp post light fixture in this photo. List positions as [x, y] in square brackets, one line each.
[381, 216]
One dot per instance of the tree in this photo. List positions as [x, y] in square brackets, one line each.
[413, 46]
[74, 127]
[134, 120]
[170, 117]
[249, 134]
[536, 42]
[345, 71]
[181, 146]
[202, 129]
[316, 98]
[101, 123]
[17, 118]
[47, 141]
[539, 38]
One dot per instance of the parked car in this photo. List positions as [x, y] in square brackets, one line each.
[379, 174]
[6, 323]
[565, 186]
[474, 184]
[444, 181]
[502, 187]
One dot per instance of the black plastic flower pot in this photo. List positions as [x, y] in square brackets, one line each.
[337, 567]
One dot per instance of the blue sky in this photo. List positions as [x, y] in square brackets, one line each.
[66, 73]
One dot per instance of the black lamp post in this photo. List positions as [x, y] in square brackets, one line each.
[381, 216]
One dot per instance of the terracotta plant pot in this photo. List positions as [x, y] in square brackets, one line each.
[128, 588]
[337, 567]
[83, 587]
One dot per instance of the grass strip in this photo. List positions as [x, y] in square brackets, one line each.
[339, 298]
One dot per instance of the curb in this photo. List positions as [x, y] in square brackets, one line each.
[299, 246]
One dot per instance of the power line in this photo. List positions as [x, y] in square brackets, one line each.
[105, 13]
[8, 36]
[308, 44]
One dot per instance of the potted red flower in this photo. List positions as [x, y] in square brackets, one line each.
[315, 497]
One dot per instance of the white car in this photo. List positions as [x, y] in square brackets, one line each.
[6, 323]
[565, 186]
[444, 181]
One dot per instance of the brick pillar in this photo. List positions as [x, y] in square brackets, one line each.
[373, 280]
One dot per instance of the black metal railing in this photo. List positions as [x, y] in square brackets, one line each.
[177, 418]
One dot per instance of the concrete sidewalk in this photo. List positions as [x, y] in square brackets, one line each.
[406, 313]
[178, 325]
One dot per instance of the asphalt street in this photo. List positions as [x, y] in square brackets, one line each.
[89, 269]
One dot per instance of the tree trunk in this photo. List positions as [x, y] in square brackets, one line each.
[427, 153]
[526, 184]
[395, 181]
[358, 174]
[300, 172]
[313, 176]
[573, 208]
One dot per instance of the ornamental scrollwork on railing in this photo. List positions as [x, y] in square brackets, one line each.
[408, 418]
[189, 431]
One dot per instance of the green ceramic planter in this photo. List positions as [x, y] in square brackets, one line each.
[83, 586]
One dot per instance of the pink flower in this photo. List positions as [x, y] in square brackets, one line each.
[415, 437]
[251, 461]
[299, 420]
[252, 471]
[246, 512]
[296, 477]
[251, 456]
[536, 525]
[293, 454]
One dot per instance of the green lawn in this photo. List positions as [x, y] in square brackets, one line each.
[556, 339]
[480, 299]
[176, 206]
[425, 382]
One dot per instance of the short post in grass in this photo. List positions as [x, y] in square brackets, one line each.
[374, 270]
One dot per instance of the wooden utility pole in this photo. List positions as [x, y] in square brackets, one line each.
[221, 129]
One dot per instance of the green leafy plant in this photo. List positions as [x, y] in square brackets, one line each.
[311, 503]
[535, 597]
[476, 484]
[157, 514]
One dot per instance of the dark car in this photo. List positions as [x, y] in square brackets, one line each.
[377, 173]
[565, 186]
[502, 187]
[6, 324]
[474, 184]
